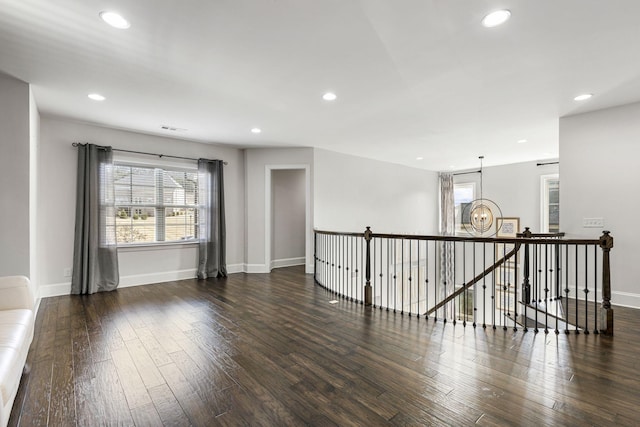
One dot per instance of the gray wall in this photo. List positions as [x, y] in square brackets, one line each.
[137, 265]
[288, 217]
[353, 192]
[14, 177]
[515, 189]
[599, 170]
[257, 162]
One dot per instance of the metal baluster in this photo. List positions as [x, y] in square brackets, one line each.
[586, 291]
[536, 284]
[577, 294]
[418, 282]
[464, 281]
[402, 282]
[484, 288]
[426, 279]
[595, 290]
[515, 289]
[495, 296]
[410, 273]
[475, 293]
[546, 290]
[566, 289]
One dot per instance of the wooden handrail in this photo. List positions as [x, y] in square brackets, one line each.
[475, 279]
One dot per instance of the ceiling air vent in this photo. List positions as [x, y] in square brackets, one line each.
[173, 129]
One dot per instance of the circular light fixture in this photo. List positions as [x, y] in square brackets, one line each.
[583, 97]
[522, 141]
[256, 130]
[419, 158]
[329, 96]
[496, 18]
[115, 20]
[96, 97]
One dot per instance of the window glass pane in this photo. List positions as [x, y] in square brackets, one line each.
[180, 224]
[463, 195]
[141, 196]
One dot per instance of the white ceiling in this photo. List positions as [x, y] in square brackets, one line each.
[413, 77]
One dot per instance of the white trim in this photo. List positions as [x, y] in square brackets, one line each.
[58, 289]
[54, 290]
[235, 268]
[625, 299]
[544, 200]
[151, 278]
[267, 214]
[256, 268]
[287, 262]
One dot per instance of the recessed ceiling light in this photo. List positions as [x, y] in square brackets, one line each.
[115, 20]
[329, 96]
[522, 141]
[96, 97]
[583, 97]
[419, 158]
[256, 130]
[496, 18]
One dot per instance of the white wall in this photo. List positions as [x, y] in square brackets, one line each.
[515, 188]
[353, 192]
[14, 177]
[599, 154]
[259, 162]
[56, 201]
[288, 217]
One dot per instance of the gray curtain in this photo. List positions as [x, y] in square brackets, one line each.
[211, 224]
[95, 258]
[447, 228]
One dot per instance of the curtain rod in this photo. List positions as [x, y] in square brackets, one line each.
[75, 144]
[465, 173]
[548, 163]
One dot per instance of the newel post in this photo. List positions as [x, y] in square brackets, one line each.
[526, 286]
[368, 295]
[606, 312]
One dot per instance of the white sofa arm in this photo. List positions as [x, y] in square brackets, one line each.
[15, 292]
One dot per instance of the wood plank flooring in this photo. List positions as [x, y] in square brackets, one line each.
[269, 350]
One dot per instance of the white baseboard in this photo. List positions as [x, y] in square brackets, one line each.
[235, 268]
[149, 278]
[58, 289]
[287, 262]
[625, 299]
[54, 290]
[256, 268]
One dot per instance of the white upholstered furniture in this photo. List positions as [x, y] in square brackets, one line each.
[16, 334]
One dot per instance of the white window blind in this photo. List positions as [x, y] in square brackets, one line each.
[155, 204]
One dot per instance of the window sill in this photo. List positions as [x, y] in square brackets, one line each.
[134, 247]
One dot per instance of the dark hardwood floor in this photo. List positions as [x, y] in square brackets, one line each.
[269, 350]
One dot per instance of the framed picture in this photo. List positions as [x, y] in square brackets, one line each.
[507, 227]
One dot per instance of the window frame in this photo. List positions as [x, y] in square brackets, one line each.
[545, 180]
[459, 227]
[166, 167]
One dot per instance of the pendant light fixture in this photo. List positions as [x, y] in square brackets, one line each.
[482, 213]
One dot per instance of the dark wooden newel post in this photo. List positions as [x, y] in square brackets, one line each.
[368, 295]
[606, 312]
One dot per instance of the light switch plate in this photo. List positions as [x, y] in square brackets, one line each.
[593, 222]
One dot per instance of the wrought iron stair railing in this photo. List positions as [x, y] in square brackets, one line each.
[532, 282]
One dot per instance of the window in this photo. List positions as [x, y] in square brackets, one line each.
[155, 204]
[550, 204]
[463, 195]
